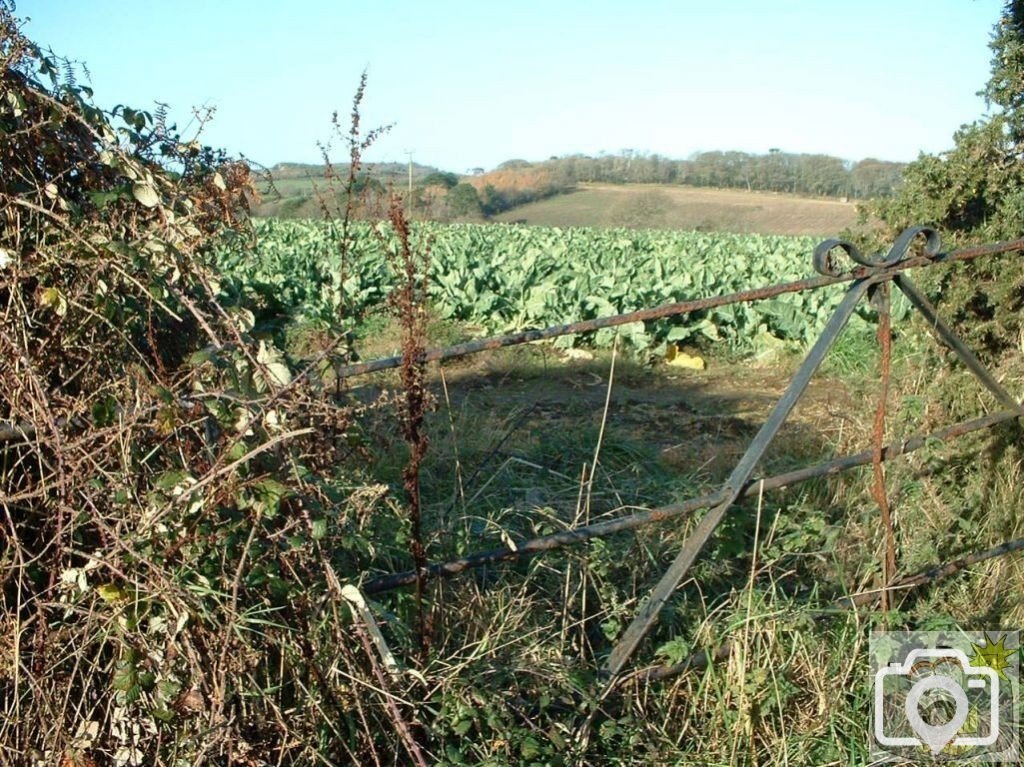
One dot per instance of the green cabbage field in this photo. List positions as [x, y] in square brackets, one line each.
[502, 278]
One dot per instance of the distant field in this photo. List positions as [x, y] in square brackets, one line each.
[639, 206]
[680, 207]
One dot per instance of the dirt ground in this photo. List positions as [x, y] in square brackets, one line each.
[696, 421]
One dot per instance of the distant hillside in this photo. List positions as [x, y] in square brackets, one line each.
[508, 188]
[382, 171]
[670, 206]
[301, 190]
[815, 175]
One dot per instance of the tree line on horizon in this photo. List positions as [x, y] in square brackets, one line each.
[517, 182]
[446, 195]
[777, 171]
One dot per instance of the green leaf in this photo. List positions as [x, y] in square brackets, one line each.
[52, 298]
[126, 675]
[201, 357]
[237, 450]
[271, 492]
[674, 651]
[104, 411]
[111, 592]
[529, 748]
[273, 360]
[171, 479]
[103, 199]
[146, 195]
[168, 689]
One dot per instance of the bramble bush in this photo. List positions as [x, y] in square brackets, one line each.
[178, 505]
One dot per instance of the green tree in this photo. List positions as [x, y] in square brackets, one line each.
[441, 178]
[493, 200]
[875, 178]
[463, 200]
[821, 174]
[975, 192]
[1005, 87]
[976, 189]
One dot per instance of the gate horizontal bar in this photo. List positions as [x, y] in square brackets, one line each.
[662, 513]
[700, 658]
[673, 309]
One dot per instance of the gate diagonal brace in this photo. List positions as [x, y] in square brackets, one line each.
[661, 514]
[946, 335]
[870, 276]
[878, 270]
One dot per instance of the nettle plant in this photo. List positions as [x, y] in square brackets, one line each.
[169, 485]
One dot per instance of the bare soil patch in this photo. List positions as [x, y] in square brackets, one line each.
[697, 423]
[660, 206]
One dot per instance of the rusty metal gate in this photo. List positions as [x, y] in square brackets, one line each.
[870, 278]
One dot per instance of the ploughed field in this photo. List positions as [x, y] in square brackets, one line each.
[671, 206]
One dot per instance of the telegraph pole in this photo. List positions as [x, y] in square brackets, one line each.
[409, 153]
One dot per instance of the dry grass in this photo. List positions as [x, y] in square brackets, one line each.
[518, 437]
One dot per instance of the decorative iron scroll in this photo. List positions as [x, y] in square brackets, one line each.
[825, 262]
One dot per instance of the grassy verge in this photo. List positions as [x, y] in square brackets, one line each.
[527, 442]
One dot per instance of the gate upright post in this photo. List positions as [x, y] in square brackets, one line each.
[880, 297]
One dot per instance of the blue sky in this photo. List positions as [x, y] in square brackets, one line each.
[471, 84]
